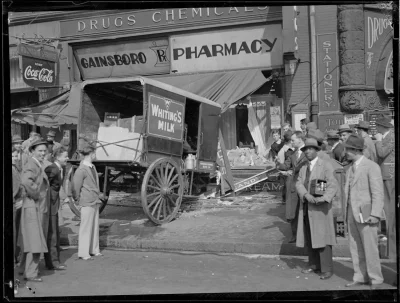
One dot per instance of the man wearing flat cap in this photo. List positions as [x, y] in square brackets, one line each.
[363, 194]
[344, 132]
[369, 146]
[385, 150]
[316, 186]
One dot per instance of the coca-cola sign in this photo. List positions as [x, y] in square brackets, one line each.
[38, 73]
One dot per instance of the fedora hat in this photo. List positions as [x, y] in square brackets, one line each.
[17, 139]
[354, 141]
[51, 133]
[344, 128]
[316, 134]
[363, 125]
[37, 141]
[385, 122]
[332, 134]
[310, 142]
[305, 120]
[311, 125]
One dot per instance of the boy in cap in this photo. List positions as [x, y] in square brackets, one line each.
[385, 150]
[316, 229]
[303, 125]
[369, 146]
[363, 194]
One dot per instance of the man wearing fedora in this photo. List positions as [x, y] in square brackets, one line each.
[369, 146]
[344, 132]
[311, 125]
[293, 163]
[337, 150]
[363, 194]
[33, 240]
[303, 125]
[319, 136]
[27, 143]
[385, 149]
[316, 229]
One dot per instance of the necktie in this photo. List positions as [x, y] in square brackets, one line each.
[61, 173]
[308, 173]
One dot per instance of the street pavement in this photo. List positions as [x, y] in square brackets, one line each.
[150, 273]
[253, 222]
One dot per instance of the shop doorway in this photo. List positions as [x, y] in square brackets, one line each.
[243, 135]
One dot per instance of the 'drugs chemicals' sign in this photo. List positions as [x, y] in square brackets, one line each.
[124, 59]
[165, 118]
[254, 47]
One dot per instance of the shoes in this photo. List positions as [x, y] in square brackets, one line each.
[326, 275]
[37, 279]
[310, 271]
[59, 267]
[86, 258]
[292, 240]
[355, 283]
[97, 255]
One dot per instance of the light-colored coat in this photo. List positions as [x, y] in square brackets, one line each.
[366, 188]
[85, 187]
[369, 148]
[320, 215]
[36, 187]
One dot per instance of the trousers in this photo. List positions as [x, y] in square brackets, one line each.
[30, 264]
[390, 212]
[52, 257]
[363, 240]
[89, 231]
[318, 258]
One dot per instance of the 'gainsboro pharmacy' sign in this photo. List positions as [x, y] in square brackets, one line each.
[165, 118]
[124, 59]
[227, 49]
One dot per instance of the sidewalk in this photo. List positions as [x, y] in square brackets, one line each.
[252, 223]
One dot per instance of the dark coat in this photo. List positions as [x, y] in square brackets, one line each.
[54, 175]
[337, 153]
[35, 182]
[320, 215]
[292, 199]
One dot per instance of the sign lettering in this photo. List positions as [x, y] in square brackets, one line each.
[165, 117]
[124, 59]
[144, 20]
[227, 49]
[353, 119]
[38, 73]
[329, 122]
[327, 72]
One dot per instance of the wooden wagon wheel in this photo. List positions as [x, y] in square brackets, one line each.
[162, 191]
[73, 204]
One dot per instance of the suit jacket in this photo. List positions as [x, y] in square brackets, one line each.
[385, 151]
[85, 186]
[337, 153]
[366, 188]
[292, 199]
[369, 148]
[320, 215]
[55, 179]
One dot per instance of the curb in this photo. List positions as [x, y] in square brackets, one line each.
[133, 242]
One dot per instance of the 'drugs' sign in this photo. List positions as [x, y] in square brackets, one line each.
[165, 118]
[227, 49]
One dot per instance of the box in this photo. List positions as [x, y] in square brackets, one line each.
[125, 123]
[137, 124]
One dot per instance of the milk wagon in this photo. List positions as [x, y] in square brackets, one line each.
[151, 138]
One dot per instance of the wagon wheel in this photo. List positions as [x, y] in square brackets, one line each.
[74, 204]
[162, 191]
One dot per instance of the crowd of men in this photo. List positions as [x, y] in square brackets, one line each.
[38, 174]
[308, 160]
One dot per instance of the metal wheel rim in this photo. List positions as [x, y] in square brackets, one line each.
[162, 191]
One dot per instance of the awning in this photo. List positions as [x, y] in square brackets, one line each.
[224, 88]
[50, 113]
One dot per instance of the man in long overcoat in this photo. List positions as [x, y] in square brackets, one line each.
[32, 239]
[316, 227]
[293, 164]
[385, 149]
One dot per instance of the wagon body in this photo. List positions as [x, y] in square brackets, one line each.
[168, 124]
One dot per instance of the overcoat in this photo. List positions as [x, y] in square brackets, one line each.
[366, 188]
[292, 198]
[320, 215]
[369, 148]
[337, 153]
[35, 182]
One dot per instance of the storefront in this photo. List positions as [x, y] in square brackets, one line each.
[226, 54]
